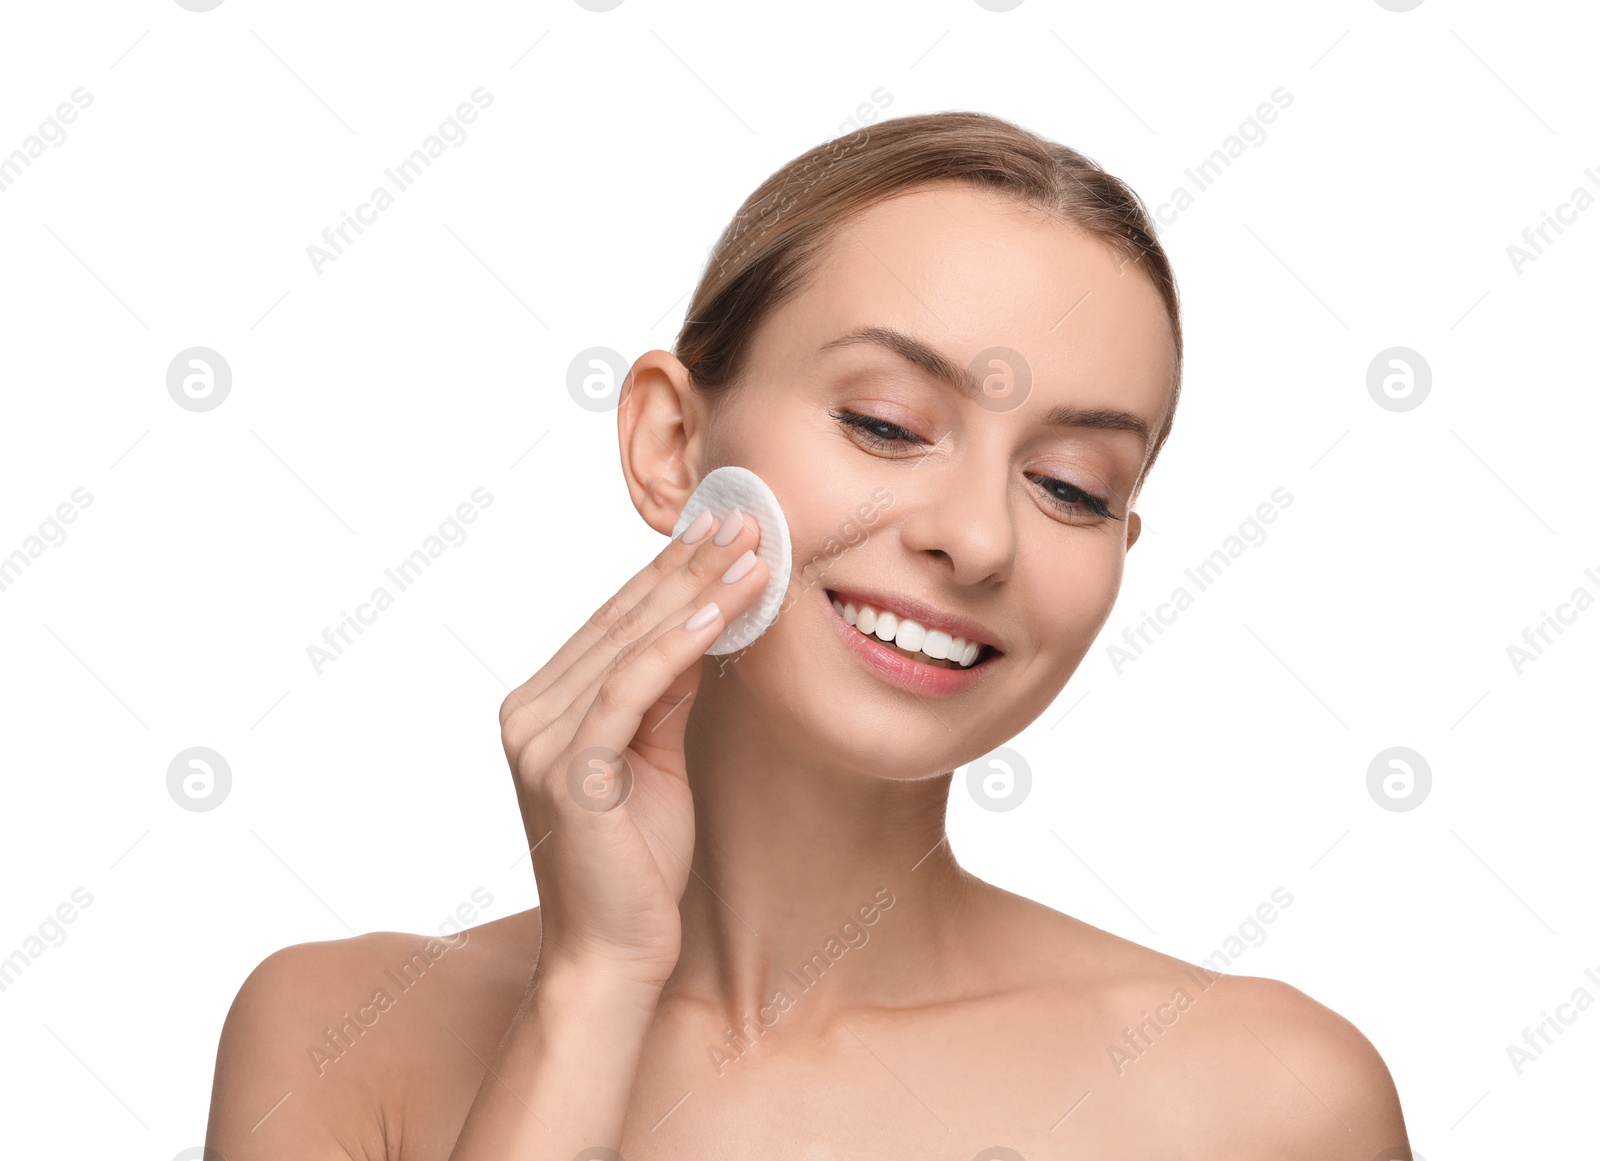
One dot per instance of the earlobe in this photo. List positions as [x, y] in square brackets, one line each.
[658, 437]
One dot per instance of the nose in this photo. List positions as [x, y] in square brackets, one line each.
[961, 511]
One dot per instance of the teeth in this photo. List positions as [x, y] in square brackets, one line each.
[909, 635]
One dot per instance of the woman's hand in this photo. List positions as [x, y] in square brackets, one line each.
[595, 743]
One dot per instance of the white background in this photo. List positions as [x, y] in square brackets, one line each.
[370, 399]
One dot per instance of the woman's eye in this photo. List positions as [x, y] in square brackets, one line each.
[1071, 498]
[878, 432]
[1067, 498]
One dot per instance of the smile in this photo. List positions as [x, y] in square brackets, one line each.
[908, 653]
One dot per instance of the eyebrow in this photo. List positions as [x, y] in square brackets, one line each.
[925, 358]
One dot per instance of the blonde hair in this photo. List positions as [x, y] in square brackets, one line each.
[772, 246]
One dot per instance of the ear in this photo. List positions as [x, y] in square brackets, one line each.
[660, 432]
[1134, 526]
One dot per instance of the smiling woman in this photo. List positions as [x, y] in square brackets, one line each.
[969, 334]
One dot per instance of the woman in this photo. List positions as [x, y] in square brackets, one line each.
[952, 350]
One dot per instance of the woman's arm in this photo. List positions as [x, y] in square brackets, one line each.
[596, 753]
[560, 1081]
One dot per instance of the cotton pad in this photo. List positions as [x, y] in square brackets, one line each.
[722, 491]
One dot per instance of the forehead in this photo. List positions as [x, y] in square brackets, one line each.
[967, 270]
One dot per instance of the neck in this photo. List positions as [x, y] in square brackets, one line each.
[815, 888]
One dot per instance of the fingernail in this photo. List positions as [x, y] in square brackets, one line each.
[746, 562]
[702, 617]
[729, 530]
[697, 529]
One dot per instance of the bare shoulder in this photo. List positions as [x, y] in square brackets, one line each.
[1232, 1065]
[1317, 1086]
[325, 1041]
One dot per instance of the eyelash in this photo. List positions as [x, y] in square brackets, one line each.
[865, 423]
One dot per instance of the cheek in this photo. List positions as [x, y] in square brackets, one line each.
[829, 519]
[1075, 596]
[816, 555]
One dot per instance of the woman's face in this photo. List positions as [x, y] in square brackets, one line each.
[967, 500]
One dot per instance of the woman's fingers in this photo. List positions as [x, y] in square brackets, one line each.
[660, 608]
[610, 711]
[591, 631]
[638, 612]
[615, 864]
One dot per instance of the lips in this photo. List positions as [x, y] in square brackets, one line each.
[924, 614]
[895, 668]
